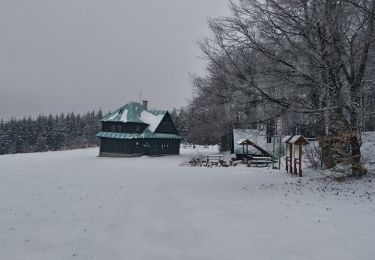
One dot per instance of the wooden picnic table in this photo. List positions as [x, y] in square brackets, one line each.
[259, 161]
[217, 159]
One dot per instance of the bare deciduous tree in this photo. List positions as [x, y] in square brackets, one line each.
[298, 56]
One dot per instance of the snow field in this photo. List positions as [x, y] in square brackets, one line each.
[74, 205]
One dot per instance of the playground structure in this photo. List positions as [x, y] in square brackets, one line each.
[256, 148]
[266, 158]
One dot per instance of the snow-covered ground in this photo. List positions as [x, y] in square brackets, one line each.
[74, 205]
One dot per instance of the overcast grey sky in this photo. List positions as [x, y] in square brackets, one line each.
[78, 55]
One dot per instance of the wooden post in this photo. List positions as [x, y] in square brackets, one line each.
[295, 161]
[286, 158]
[295, 145]
[291, 158]
[300, 161]
[280, 153]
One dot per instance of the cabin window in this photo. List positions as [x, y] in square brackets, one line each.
[269, 139]
[164, 146]
[119, 128]
[113, 128]
[137, 128]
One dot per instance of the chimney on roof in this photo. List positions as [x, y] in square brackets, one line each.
[145, 102]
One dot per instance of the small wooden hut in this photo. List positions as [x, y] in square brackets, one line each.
[294, 143]
[298, 141]
[260, 144]
[248, 143]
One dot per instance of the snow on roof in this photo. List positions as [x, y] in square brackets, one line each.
[298, 137]
[294, 139]
[111, 117]
[134, 112]
[258, 137]
[124, 116]
[286, 138]
[244, 141]
[241, 141]
[153, 120]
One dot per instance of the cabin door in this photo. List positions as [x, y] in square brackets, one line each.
[147, 148]
[138, 147]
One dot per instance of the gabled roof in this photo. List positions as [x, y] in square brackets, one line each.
[248, 142]
[244, 141]
[298, 139]
[256, 136]
[134, 112]
[286, 139]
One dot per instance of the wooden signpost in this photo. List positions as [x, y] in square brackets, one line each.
[288, 153]
[294, 142]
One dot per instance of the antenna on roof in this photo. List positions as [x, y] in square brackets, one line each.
[140, 95]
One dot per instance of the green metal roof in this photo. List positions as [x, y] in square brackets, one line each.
[146, 134]
[134, 112]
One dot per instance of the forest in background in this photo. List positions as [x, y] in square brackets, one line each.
[49, 133]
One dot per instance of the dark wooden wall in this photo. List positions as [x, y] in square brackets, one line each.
[164, 146]
[166, 126]
[140, 146]
[121, 146]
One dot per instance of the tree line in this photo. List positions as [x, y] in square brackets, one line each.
[49, 133]
[292, 67]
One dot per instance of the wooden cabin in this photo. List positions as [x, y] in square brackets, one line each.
[133, 130]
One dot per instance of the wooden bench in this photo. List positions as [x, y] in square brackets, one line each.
[259, 161]
[215, 160]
